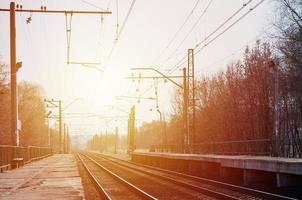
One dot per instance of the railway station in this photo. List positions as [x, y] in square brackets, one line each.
[140, 99]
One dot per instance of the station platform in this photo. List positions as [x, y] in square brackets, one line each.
[250, 170]
[54, 177]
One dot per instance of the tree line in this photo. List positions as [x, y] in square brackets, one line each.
[235, 111]
[31, 112]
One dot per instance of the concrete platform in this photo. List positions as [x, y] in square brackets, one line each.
[54, 177]
[250, 169]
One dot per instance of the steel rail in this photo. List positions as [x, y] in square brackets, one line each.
[101, 190]
[134, 188]
[237, 188]
[202, 190]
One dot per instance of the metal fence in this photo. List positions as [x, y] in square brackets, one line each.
[243, 147]
[9, 153]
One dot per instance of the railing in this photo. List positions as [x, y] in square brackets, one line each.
[9, 153]
[243, 147]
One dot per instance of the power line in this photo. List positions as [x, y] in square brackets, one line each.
[183, 60]
[226, 21]
[91, 4]
[192, 28]
[178, 31]
[213, 32]
[119, 31]
[226, 29]
[126, 19]
[239, 49]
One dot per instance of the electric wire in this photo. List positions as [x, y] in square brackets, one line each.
[196, 22]
[192, 28]
[126, 19]
[217, 29]
[239, 49]
[177, 32]
[183, 60]
[93, 5]
[119, 31]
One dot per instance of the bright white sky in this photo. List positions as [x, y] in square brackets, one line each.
[41, 46]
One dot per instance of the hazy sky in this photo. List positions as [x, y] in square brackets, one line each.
[41, 46]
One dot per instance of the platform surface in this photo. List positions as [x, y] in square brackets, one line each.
[54, 177]
[262, 163]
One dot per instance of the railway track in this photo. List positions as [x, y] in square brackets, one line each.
[110, 185]
[210, 188]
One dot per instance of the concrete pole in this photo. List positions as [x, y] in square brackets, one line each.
[60, 126]
[185, 109]
[116, 140]
[277, 117]
[64, 138]
[193, 101]
[13, 77]
[48, 132]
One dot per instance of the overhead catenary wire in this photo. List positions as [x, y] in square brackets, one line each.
[119, 31]
[213, 32]
[126, 19]
[117, 20]
[177, 32]
[91, 4]
[183, 60]
[191, 29]
[241, 48]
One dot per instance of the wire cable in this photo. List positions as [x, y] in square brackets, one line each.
[93, 5]
[119, 31]
[126, 19]
[177, 32]
[183, 60]
[192, 28]
[241, 48]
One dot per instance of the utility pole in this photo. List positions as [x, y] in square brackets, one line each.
[131, 130]
[191, 96]
[64, 138]
[276, 144]
[13, 77]
[116, 140]
[60, 126]
[185, 140]
[68, 141]
[160, 116]
[57, 104]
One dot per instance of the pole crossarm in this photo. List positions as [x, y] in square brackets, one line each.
[163, 75]
[131, 97]
[52, 102]
[152, 77]
[59, 11]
